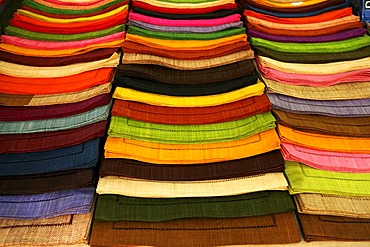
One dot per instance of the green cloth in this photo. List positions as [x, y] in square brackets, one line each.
[185, 36]
[118, 208]
[305, 179]
[15, 31]
[190, 134]
[320, 47]
[52, 10]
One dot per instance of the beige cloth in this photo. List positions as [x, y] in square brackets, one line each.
[170, 189]
[17, 70]
[325, 68]
[137, 58]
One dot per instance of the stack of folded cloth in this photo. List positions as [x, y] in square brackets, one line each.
[57, 63]
[192, 157]
[314, 57]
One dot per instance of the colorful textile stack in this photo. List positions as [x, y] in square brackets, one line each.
[314, 57]
[192, 157]
[57, 62]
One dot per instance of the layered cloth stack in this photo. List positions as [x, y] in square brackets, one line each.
[314, 57]
[57, 63]
[192, 157]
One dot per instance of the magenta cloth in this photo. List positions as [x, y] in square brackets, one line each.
[50, 45]
[326, 160]
[347, 34]
[180, 23]
[362, 75]
[74, 3]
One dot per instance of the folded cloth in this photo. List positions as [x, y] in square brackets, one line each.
[359, 145]
[136, 58]
[324, 228]
[119, 208]
[342, 126]
[288, 5]
[343, 91]
[313, 57]
[47, 182]
[195, 101]
[26, 113]
[46, 205]
[191, 153]
[192, 115]
[17, 70]
[66, 84]
[333, 108]
[204, 188]
[269, 229]
[85, 155]
[259, 164]
[185, 29]
[343, 35]
[65, 230]
[54, 99]
[189, 54]
[145, 85]
[326, 160]
[346, 206]
[190, 134]
[305, 179]
[23, 33]
[315, 69]
[183, 22]
[95, 6]
[176, 77]
[187, 5]
[94, 55]
[43, 141]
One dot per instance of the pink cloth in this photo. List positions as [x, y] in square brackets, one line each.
[47, 45]
[182, 23]
[74, 3]
[362, 75]
[326, 160]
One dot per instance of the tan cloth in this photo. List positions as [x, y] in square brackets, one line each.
[322, 204]
[206, 188]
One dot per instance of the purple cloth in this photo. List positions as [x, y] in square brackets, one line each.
[347, 34]
[36, 206]
[334, 108]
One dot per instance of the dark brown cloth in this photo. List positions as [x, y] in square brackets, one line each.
[43, 141]
[268, 229]
[326, 228]
[342, 126]
[132, 47]
[33, 184]
[259, 164]
[163, 74]
[94, 55]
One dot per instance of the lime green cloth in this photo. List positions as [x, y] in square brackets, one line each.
[15, 31]
[186, 36]
[117, 208]
[187, 134]
[51, 10]
[320, 47]
[305, 179]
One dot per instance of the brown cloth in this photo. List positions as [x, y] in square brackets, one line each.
[326, 228]
[267, 229]
[259, 164]
[34, 184]
[342, 126]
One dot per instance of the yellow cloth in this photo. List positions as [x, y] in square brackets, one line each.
[191, 153]
[323, 68]
[80, 19]
[186, 44]
[74, 7]
[57, 53]
[180, 64]
[189, 101]
[187, 5]
[205, 188]
[324, 142]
